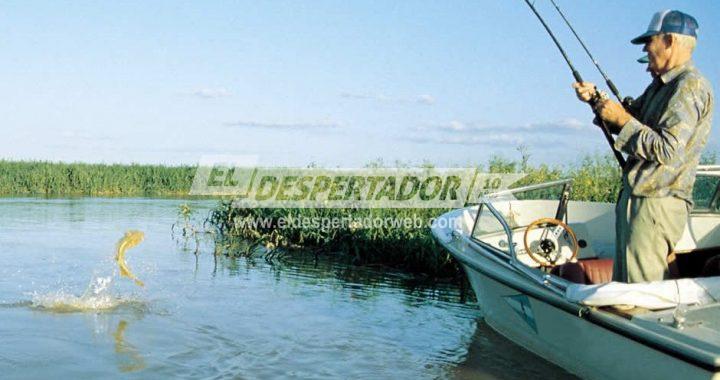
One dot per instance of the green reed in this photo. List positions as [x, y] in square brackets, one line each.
[411, 249]
[57, 178]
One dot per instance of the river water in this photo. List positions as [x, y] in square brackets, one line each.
[65, 312]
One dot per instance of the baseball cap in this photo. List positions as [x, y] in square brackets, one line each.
[668, 21]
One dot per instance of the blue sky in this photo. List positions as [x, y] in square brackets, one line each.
[338, 83]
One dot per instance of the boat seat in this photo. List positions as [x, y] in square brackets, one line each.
[587, 271]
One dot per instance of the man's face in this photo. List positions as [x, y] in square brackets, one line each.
[658, 53]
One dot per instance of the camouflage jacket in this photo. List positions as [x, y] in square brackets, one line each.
[665, 138]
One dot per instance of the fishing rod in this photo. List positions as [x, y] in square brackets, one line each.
[578, 78]
[608, 81]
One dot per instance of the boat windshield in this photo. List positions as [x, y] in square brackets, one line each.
[706, 196]
[499, 213]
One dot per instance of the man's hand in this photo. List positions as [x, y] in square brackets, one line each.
[584, 91]
[612, 112]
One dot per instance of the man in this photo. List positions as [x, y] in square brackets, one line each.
[663, 133]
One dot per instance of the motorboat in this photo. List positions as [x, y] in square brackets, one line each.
[540, 264]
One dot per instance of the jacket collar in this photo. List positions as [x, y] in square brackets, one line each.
[672, 74]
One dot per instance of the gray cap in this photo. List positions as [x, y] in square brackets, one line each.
[668, 21]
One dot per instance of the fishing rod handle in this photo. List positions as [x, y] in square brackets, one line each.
[618, 156]
[577, 76]
[614, 90]
[597, 98]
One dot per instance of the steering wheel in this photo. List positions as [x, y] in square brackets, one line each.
[547, 250]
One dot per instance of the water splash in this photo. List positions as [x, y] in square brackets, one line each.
[97, 296]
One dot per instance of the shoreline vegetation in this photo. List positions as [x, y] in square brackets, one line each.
[44, 178]
[410, 249]
[405, 248]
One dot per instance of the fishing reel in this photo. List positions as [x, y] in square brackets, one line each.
[600, 96]
[628, 102]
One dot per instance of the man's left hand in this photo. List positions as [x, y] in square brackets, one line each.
[612, 112]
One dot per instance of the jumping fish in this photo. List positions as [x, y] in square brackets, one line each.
[131, 239]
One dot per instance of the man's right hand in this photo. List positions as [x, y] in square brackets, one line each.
[584, 91]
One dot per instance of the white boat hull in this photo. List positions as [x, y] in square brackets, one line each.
[550, 326]
[579, 346]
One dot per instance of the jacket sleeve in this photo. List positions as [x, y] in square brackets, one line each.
[666, 141]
